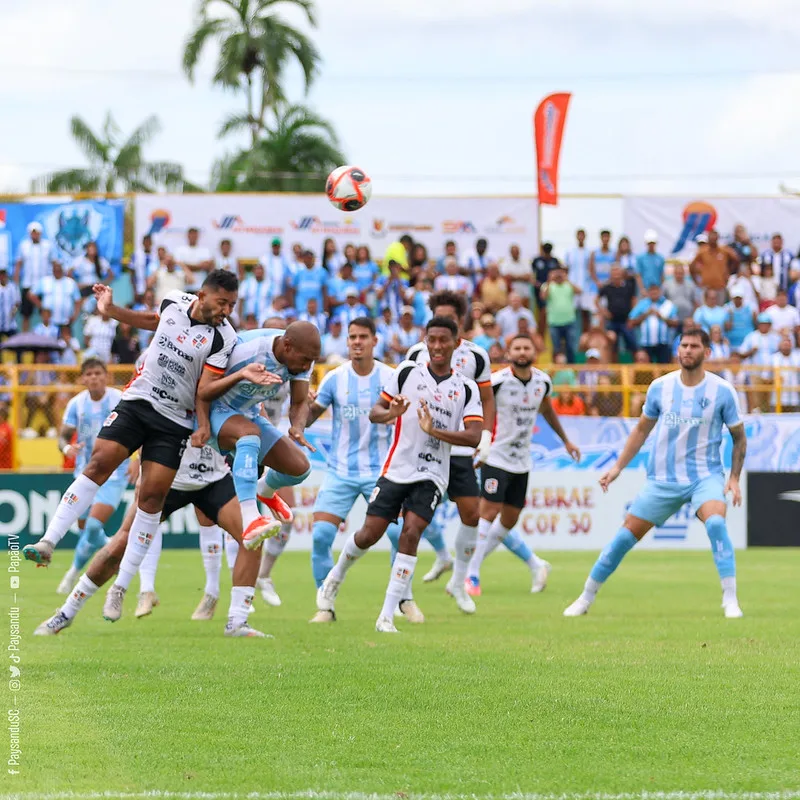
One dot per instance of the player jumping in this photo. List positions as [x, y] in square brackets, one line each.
[520, 393]
[688, 409]
[415, 473]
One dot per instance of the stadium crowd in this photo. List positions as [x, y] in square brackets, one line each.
[594, 305]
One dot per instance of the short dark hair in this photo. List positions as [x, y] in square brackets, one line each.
[193, 230]
[521, 336]
[93, 363]
[547, 248]
[605, 232]
[482, 241]
[362, 322]
[700, 333]
[406, 238]
[443, 322]
[449, 242]
[225, 241]
[447, 298]
[221, 279]
[782, 291]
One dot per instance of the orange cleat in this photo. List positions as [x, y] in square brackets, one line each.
[278, 507]
[259, 530]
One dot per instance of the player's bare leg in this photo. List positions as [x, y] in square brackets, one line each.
[92, 539]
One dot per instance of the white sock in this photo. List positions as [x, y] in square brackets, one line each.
[143, 530]
[466, 539]
[241, 603]
[250, 512]
[77, 499]
[443, 554]
[351, 552]
[211, 550]
[149, 566]
[83, 590]
[402, 572]
[231, 551]
[263, 489]
[474, 570]
[534, 562]
[590, 590]
[728, 591]
[72, 573]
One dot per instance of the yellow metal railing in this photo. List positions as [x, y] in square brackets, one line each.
[35, 395]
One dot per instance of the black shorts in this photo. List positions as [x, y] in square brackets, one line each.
[135, 424]
[500, 486]
[388, 499]
[26, 307]
[210, 499]
[463, 480]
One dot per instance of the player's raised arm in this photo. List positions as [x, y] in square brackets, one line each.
[299, 412]
[388, 408]
[145, 320]
[214, 384]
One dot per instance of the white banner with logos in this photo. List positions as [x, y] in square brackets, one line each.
[251, 221]
[679, 220]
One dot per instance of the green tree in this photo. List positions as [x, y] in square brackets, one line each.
[296, 153]
[116, 164]
[255, 47]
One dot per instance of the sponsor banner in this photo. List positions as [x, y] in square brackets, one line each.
[548, 130]
[773, 519]
[68, 225]
[251, 221]
[680, 220]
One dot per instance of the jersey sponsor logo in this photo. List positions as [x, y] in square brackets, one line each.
[673, 420]
[199, 341]
[163, 341]
[200, 467]
[165, 362]
[144, 537]
[70, 498]
[110, 419]
[429, 457]
[167, 380]
[353, 412]
[163, 394]
[171, 321]
[490, 485]
[180, 338]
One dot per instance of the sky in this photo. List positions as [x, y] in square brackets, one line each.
[436, 96]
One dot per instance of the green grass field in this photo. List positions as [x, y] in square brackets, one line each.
[652, 691]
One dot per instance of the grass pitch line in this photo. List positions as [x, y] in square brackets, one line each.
[316, 795]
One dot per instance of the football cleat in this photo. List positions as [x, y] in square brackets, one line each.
[384, 625]
[278, 507]
[245, 630]
[411, 611]
[206, 608]
[258, 531]
[326, 594]
[112, 608]
[459, 594]
[147, 602]
[577, 609]
[540, 575]
[268, 591]
[440, 566]
[40, 553]
[472, 586]
[324, 616]
[732, 610]
[54, 625]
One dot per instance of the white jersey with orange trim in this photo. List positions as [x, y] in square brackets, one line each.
[517, 405]
[469, 360]
[179, 351]
[200, 467]
[453, 400]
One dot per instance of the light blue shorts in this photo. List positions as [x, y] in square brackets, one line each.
[220, 414]
[338, 495]
[109, 494]
[658, 501]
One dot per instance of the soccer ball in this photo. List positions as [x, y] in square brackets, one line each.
[348, 188]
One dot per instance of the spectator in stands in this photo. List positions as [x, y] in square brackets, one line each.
[497, 354]
[567, 402]
[250, 322]
[682, 292]
[740, 321]
[418, 259]
[493, 289]
[490, 333]
[782, 262]
[711, 312]
[735, 375]
[350, 253]
[508, 318]
[577, 263]
[366, 271]
[334, 343]
[655, 319]
[332, 259]
[278, 272]
[168, 278]
[46, 405]
[296, 261]
[392, 288]
[33, 264]
[743, 280]
[226, 260]
[419, 296]
[605, 402]
[766, 285]
[59, 293]
[650, 267]
[527, 328]
[99, 333]
[713, 265]
[449, 252]
[255, 294]
[87, 270]
[720, 347]
[541, 267]
[143, 266]
[477, 262]
[558, 296]
[68, 357]
[614, 304]
[313, 314]
[406, 334]
[148, 304]
[472, 325]
[194, 260]
[352, 308]
[625, 257]
[785, 318]
[7, 439]
[46, 326]
[125, 348]
[518, 274]
[786, 369]
[452, 279]
[757, 350]
[601, 260]
[311, 281]
[741, 245]
[338, 286]
[642, 378]
[599, 339]
[10, 300]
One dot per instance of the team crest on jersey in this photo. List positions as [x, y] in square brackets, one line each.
[452, 394]
[180, 338]
[490, 484]
[110, 419]
[199, 340]
[170, 321]
[705, 403]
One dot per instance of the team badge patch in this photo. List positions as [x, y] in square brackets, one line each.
[490, 485]
[109, 420]
[375, 492]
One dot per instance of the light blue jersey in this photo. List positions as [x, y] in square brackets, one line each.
[358, 448]
[87, 417]
[255, 347]
[688, 434]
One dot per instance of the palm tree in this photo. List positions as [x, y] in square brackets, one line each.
[256, 45]
[115, 164]
[296, 154]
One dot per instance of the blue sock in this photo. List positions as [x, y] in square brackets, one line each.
[92, 539]
[393, 532]
[322, 535]
[515, 543]
[277, 480]
[614, 552]
[245, 467]
[721, 547]
[434, 533]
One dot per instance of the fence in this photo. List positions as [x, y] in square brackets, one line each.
[33, 398]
